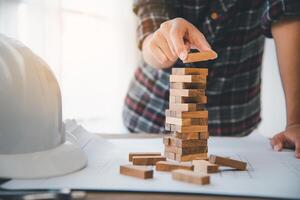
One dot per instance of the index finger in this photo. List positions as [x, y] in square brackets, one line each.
[176, 36]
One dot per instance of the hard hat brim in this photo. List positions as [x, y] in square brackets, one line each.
[64, 159]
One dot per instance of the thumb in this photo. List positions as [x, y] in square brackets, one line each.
[277, 141]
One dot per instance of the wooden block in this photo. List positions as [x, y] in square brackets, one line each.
[188, 79]
[142, 172]
[166, 140]
[147, 160]
[190, 177]
[186, 150]
[190, 71]
[190, 157]
[168, 166]
[170, 155]
[186, 106]
[203, 135]
[167, 127]
[187, 136]
[205, 166]
[172, 141]
[236, 164]
[200, 56]
[187, 114]
[187, 92]
[186, 121]
[180, 99]
[131, 154]
[188, 129]
[187, 85]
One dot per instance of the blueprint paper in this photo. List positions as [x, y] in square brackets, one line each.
[269, 174]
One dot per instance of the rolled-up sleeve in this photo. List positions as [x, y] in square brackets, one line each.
[276, 10]
[151, 13]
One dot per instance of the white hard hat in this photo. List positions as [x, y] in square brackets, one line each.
[32, 134]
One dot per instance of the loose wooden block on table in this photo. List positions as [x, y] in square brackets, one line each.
[186, 106]
[188, 78]
[167, 140]
[190, 177]
[187, 114]
[200, 56]
[205, 166]
[180, 99]
[190, 71]
[236, 164]
[142, 172]
[187, 129]
[187, 85]
[131, 154]
[169, 166]
[186, 150]
[196, 135]
[147, 160]
[186, 121]
[187, 92]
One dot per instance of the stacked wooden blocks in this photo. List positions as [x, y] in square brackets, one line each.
[187, 118]
[188, 121]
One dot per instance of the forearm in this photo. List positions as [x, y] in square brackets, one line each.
[287, 39]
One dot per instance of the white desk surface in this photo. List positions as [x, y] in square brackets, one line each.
[270, 174]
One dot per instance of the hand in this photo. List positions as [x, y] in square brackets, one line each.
[290, 138]
[171, 41]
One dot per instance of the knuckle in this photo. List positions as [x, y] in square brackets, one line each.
[165, 25]
[157, 35]
[179, 20]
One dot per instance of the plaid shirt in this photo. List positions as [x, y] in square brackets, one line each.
[236, 30]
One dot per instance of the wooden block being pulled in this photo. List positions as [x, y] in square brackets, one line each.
[236, 164]
[187, 92]
[147, 160]
[187, 114]
[131, 154]
[143, 172]
[172, 141]
[187, 129]
[205, 166]
[190, 157]
[190, 177]
[201, 56]
[186, 121]
[186, 106]
[170, 166]
[186, 150]
[190, 71]
[188, 79]
[180, 99]
[187, 85]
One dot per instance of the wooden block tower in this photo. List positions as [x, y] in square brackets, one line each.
[187, 118]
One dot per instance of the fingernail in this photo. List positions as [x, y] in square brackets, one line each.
[277, 147]
[183, 55]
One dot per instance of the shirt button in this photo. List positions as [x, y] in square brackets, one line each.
[214, 15]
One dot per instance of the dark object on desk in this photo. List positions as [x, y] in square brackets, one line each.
[64, 194]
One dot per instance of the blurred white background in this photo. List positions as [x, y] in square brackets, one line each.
[91, 47]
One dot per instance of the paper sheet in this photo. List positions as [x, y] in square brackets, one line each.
[270, 174]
